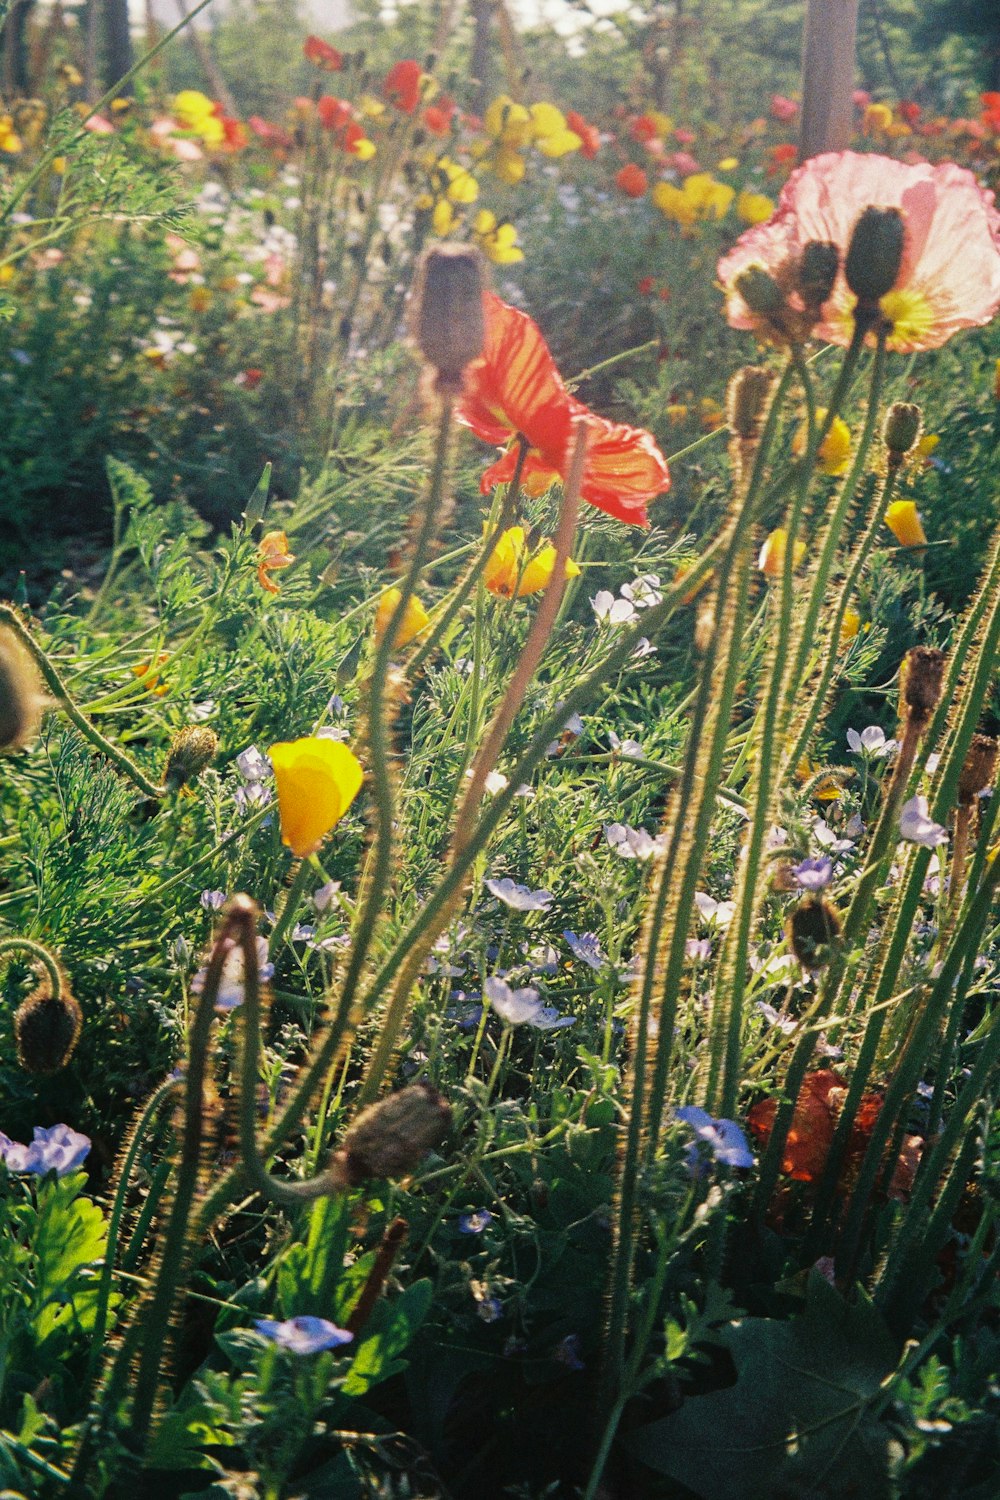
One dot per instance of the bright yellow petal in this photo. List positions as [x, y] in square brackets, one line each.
[317, 779]
[903, 520]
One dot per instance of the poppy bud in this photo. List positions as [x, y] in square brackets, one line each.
[920, 682]
[818, 272]
[392, 1137]
[21, 698]
[978, 768]
[193, 749]
[747, 398]
[448, 310]
[812, 928]
[901, 428]
[46, 1030]
[875, 253]
[760, 291]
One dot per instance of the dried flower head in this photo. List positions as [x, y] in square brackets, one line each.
[901, 430]
[921, 678]
[979, 767]
[21, 698]
[875, 254]
[391, 1137]
[47, 1028]
[448, 321]
[813, 928]
[193, 749]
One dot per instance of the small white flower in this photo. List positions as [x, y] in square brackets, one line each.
[719, 912]
[614, 611]
[632, 843]
[871, 741]
[630, 749]
[918, 827]
[251, 765]
[643, 591]
[323, 897]
[643, 648]
[495, 781]
[519, 897]
[331, 732]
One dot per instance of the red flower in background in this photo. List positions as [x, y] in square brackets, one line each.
[632, 180]
[438, 116]
[334, 114]
[514, 388]
[782, 158]
[271, 135]
[589, 134]
[991, 109]
[782, 108]
[401, 85]
[323, 55]
[642, 128]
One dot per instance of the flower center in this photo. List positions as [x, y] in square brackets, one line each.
[910, 314]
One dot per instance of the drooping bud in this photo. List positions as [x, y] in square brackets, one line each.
[979, 767]
[46, 1029]
[193, 749]
[747, 396]
[391, 1137]
[447, 318]
[921, 676]
[818, 272]
[813, 928]
[21, 697]
[875, 254]
[901, 429]
[760, 291]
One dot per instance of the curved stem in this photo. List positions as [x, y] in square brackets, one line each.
[41, 957]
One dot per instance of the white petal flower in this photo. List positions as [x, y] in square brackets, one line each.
[918, 827]
[615, 611]
[519, 897]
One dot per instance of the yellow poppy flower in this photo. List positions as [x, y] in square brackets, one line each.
[903, 520]
[415, 618]
[317, 780]
[510, 569]
[754, 208]
[771, 561]
[834, 451]
[508, 122]
[850, 625]
[272, 556]
[497, 241]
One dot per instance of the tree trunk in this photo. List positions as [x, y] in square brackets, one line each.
[482, 15]
[117, 39]
[828, 76]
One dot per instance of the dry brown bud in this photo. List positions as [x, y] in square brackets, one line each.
[21, 698]
[979, 767]
[813, 928]
[46, 1030]
[447, 318]
[921, 678]
[193, 749]
[391, 1137]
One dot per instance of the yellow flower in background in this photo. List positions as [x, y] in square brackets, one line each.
[507, 122]
[415, 618]
[10, 141]
[754, 208]
[370, 107]
[728, 164]
[926, 445]
[903, 520]
[663, 123]
[850, 625]
[550, 133]
[443, 218]
[149, 673]
[317, 779]
[510, 569]
[462, 186]
[672, 203]
[771, 561]
[272, 556]
[498, 242]
[834, 451]
[508, 165]
[700, 197]
[878, 117]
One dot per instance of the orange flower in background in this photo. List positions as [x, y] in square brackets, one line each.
[632, 180]
[590, 136]
[414, 622]
[322, 54]
[514, 389]
[437, 117]
[149, 672]
[401, 85]
[272, 555]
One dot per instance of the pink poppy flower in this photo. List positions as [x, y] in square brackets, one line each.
[949, 277]
[782, 108]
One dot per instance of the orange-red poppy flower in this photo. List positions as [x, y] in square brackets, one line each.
[590, 136]
[401, 85]
[322, 54]
[632, 180]
[514, 389]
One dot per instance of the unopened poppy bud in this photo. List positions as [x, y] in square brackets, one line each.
[920, 681]
[448, 321]
[875, 253]
[901, 428]
[818, 272]
[21, 697]
[813, 928]
[46, 1028]
[760, 291]
[747, 398]
[391, 1137]
[193, 749]
[979, 767]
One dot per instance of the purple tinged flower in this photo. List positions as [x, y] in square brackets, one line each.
[698, 950]
[918, 827]
[523, 1007]
[710, 910]
[630, 749]
[519, 897]
[568, 1352]
[475, 1222]
[814, 873]
[724, 1138]
[212, 900]
[323, 897]
[231, 992]
[587, 948]
[252, 765]
[774, 1017]
[304, 1334]
[871, 741]
[56, 1149]
[643, 591]
[632, 843]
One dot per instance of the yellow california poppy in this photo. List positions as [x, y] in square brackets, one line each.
[772, 555]
[415, 618]
[317, 780]
[903, 520]
[512, 569]
[834, 451]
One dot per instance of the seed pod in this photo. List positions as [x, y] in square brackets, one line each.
[447, 318]
[193, 749]
[818, 272]
[46, 1030]
[901, 428]
[920, 682]
[760, 291]
[875, 253]
[979, 767]
[812, 929]
[747, 398]
[391, 1137]
[21, 697]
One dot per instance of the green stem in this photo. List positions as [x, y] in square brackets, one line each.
[41, 956]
